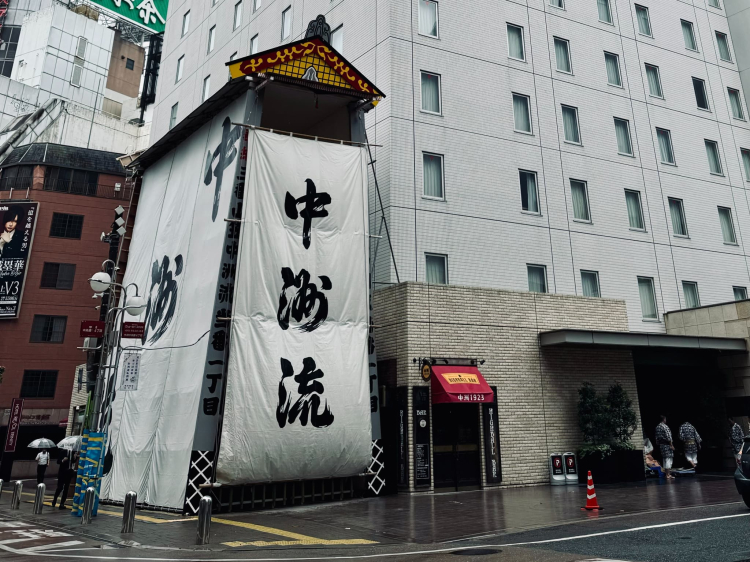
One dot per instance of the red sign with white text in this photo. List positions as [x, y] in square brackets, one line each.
[92, 328]
[14, 423]
[133, 330]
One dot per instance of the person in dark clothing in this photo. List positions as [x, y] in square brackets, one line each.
[11, 236]
[63, 481]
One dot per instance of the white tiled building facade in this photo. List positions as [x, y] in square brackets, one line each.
[475, 223]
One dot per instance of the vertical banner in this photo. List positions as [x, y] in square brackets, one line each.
[14, 423]
[403, 436]
[89, 469]
[422, 460]
[493, 472]
[16, 236]
[297, 395]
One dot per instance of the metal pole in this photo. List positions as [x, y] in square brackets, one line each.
[39, 498]
[15, 499]
[1, 487]
[128, 512]
[204, 521]
[88, 505]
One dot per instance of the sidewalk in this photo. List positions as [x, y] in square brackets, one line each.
[399, 519]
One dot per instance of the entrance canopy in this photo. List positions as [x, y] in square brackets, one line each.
[635, 340]
[458, 385]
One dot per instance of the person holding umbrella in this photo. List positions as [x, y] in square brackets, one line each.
[42, 459]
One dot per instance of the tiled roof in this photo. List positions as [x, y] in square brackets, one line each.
[65, 157]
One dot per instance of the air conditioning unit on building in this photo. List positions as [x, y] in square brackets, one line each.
[118, 186]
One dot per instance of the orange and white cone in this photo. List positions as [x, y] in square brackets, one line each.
[591, 502]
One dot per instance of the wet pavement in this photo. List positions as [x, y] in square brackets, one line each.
[409, 525]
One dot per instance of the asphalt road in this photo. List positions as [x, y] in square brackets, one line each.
[712, 533]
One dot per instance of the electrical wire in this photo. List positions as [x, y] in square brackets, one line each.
[135, 347]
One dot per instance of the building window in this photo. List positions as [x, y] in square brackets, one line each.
[337, 39]
[557, 3]
[665, 146]
[570, 124]
[562, 55]
[180, 66]
[432, 170]
[635, 210]
[622, 131]
[714, 3]
[173, 116]
[206, 88]
[129, 64]
[727, 225]
[211, 39]
[723, 42]
[185, 23]
[75, 78]
[648, 298]
[231, 58]
[48, 329]
[237, 15]
[521, 114]
[605, 12]
[688, 34]
[38, 384]
[677, 212]
[515, 42]
[580, 194]
[254, 44]
[66, 226]
[529, 193]
[746, 162]
[428, 18]
[654, 81]
[701, 99]
[58, 276]
[17, 177]
[9, 35]
[436, 269]
[690, 289]
[613, 69]
[714, 162]
[66, 180]
[430, 92]
[734, 100]
[81, 48]
[256, 5]
[644, 21]
[537, 275]
[590, 283]
[286, 23]
[740, 293]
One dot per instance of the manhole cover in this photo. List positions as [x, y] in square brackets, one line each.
[476, 552]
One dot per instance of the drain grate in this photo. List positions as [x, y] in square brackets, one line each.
[476, 552]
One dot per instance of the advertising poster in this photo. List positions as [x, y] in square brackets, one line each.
[16, 234]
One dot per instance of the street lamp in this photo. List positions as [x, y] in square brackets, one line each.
[135, 305]
[100, 281]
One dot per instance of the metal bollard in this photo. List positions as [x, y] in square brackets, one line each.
[204, 521]
[128, 512]
[2, 483]
[88, 505]
[15, 499]
[39, 498]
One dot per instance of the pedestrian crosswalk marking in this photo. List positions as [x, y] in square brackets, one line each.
[50, 546]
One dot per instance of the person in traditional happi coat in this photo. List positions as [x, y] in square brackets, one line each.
[664, 440]
[736, 436]
[691, 441]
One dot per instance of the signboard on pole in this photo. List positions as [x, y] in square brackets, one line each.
[14, 423]
[92, 328]
[148, 14]
[133, 330]
[130, 371]
[17, 221]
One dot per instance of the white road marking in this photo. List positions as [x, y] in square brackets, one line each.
[379, 555]
[50, 546]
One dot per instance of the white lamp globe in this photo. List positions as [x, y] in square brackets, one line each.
[100, 282]
[135, 305]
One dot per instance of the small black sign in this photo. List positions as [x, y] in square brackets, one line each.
[491, 441]
[403, 436]
[557, 464]
[421, 406]
[570, 464]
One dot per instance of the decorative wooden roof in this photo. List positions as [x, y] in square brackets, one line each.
[310, 59]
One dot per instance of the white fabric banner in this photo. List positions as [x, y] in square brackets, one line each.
[174, 258]
[297, 396]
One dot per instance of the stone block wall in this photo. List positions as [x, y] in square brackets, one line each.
[537, 387]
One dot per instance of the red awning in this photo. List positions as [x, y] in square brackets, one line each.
[459, 384]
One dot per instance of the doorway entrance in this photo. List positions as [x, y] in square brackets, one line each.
[455, 440]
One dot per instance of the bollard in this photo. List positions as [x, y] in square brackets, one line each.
[128, 512]
[2, 483]
[88, 505]
[204, 521]
[39, 498]
[15, 499]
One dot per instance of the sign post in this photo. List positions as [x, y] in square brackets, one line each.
[92, 329]
[133, 330]
[11, 439]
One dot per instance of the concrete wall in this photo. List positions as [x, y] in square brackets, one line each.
[738, 16]
[537, 388]
[120, 78]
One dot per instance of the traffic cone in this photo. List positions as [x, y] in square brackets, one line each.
[591, 502]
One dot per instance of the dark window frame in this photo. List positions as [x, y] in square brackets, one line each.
[129, 64]
[47, 275]
[26, 384]
[67, 226]
[40, 332]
